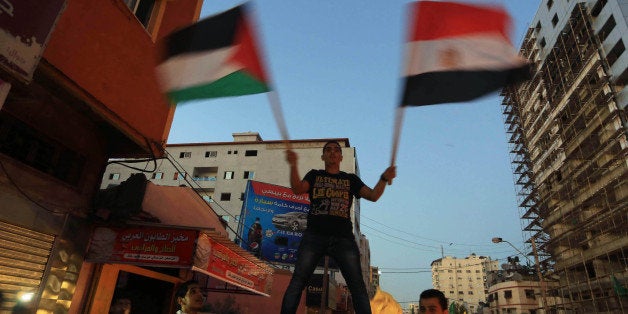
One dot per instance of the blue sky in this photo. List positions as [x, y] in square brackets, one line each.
[336, 67]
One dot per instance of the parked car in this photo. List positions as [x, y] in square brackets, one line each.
[292, 221]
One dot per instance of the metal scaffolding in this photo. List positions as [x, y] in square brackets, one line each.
[569, 152]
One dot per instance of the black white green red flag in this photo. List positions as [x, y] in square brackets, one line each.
[458, 52]
[215, 57]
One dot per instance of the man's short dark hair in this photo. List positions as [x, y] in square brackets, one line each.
[433, 293]
[183, 288]
[331, 142]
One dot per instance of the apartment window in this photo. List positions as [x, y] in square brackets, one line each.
[597, 8]
[461, 292]
[158, 175]
[529, 293]
[179, 176]
[237, 218]
[477, 271]
[470, 292]
[549, 4]
[35, 149]
[142, 9]
[212, 154]
[622, 79]
[615, 53]
[242, 196]
[226, 218]
[225, 196]
[538, 26]
[449, 271]
[249, 174]
[555, 20]
[607, 28]
[185, 154]
[250, 153]
[542, 43]
[459, 271]
[228, 175]
[114, 176]
[468, 271]
[508, 294]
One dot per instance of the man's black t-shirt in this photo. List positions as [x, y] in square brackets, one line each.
[331, 196]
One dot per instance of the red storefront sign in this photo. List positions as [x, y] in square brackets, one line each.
[219, 261]
[214, 255]
[164, 247]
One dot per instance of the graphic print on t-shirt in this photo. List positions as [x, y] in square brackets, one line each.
[331, 196]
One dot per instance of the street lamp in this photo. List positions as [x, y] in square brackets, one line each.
[499, 240]
[538, 268]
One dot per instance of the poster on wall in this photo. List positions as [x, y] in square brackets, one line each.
[25, 27]
[272, 221]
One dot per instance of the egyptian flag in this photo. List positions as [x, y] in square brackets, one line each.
[215, 57]
[458, 52]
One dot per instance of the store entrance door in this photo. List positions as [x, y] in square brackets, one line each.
[147, 291]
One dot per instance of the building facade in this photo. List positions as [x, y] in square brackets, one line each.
[75, 96]
[219, 172]
[463, 280]
[567, 132]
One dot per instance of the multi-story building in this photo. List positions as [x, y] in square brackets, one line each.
[219, 172]
[81, 76]
[463, 279]
[567, 129]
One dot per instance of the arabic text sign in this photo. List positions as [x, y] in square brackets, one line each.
[143, 245]
[273, 221]
[223, 263]
[25, 26]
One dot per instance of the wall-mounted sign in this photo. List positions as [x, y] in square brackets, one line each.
[25, 27]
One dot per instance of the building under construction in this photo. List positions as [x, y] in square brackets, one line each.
[567, 134]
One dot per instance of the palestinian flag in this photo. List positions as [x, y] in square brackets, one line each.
[215, 57]
[458, 52]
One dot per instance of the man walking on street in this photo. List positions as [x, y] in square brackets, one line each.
[329, 227]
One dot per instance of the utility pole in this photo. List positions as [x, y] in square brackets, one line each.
[538, 271]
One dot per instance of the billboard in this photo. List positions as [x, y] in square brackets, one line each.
[25, 27]
[272, 221]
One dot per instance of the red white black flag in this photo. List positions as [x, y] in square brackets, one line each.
[458, 52]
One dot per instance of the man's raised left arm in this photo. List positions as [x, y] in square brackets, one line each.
[376, 192]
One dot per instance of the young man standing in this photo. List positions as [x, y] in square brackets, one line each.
[433, 301]
[329, 227]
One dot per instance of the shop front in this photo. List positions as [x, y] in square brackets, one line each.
[143, 262]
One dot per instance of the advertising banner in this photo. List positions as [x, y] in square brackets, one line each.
[25, 26]
[272, 221]
[217, 260]
[149, 246]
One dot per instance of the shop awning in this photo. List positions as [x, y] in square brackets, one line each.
[190, 235]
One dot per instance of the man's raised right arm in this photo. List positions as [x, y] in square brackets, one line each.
[298, 186]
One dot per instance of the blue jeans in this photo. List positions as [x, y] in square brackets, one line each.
[346, 254]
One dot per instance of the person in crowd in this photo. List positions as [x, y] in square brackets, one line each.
[190, 298]
[329, 227]
[433, 301]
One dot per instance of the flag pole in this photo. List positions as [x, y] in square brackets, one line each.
[275, 105]
[396, 135]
